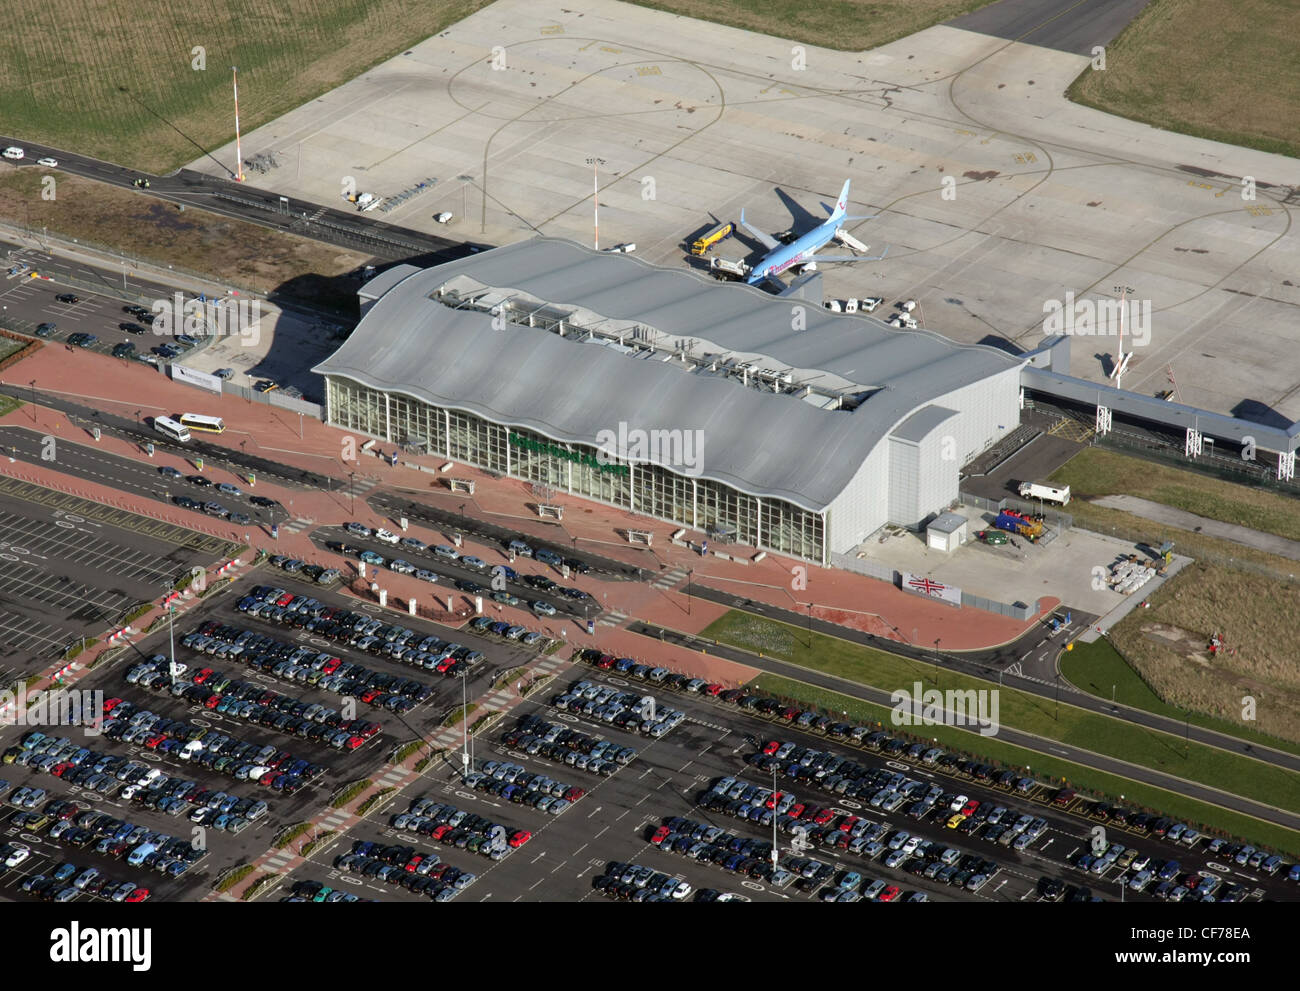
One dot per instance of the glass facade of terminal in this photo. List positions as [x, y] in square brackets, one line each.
[648, 489]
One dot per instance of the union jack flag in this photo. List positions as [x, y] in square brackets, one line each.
[927, 587]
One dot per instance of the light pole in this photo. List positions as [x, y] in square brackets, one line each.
[33, 384]
[464, 721]
[810, 605]
[689, 573]
[595, 164]
[936, 659]
[352, 476]
[775, 854]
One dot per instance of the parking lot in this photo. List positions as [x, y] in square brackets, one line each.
[279, 738]
[67, 574]
[616, 820]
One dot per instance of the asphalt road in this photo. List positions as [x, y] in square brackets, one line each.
[1073, 26]
[84, 460]
[345, 228]
[1008, 734]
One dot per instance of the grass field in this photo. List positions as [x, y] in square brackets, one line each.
[117, 80]
[1220, 69]
[1233, 773]
[1047, 768]
[140, 227]
[1099, 669]
[1243, 594]
[1097, 472]
[847, 25]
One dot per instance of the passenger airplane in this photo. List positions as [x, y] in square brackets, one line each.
[780, 257]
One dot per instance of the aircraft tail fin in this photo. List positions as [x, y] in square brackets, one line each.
[841, 205]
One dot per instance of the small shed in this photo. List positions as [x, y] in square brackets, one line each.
[946, 532]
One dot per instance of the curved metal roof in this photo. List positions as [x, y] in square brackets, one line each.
[763, 443]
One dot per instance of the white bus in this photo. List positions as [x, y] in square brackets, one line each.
[170, 428]
[207, 424]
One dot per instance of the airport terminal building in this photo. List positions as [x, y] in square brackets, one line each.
[713, 406]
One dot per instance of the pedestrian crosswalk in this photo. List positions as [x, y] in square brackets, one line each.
[612, 618]
[294, 525]
[669, 579]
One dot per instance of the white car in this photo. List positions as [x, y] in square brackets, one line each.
[387, 536]
[49, 163]
[622, 249]
[13, 153]
[15, 854]
[869, 303]
[442, 218]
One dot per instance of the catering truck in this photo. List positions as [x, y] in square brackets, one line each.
[1048, 493]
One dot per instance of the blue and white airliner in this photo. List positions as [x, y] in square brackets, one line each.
[800, 252]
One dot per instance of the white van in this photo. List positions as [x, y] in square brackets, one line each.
[13, 153]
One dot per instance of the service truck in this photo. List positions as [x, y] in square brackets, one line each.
[1046, 492]
[719, 233]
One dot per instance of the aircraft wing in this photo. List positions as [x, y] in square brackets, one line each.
[768, 241]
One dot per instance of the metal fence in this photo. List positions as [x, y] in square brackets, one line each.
[1018, 611]
[45, 239]
[865, 566]
[275, 398]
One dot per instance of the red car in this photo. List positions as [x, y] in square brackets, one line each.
[370, 694]
[606, 662]
[444, 664]
[209, 626]
[110, 705]
[153, 741]
[771, 747]
[267, 778]
[773, 799]
[331, 665]
[203, 676]
[285, 599]
[414, 862]
[712, 690]
[355, 741]
[440, 832]
[969, 808]
[823, 816]
[660, 835]
[520, 837]
[797, 810]
[574, 793]
[212, 702]
[59, 770]
[848, 823]
[138, 895]
[889, 894]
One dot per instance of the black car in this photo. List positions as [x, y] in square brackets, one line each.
[200, 480]
[473, 588]
[339, 547]
[124, 350]
[185, 502]
[46, 330]
[67, 297]
[131, 328]
[263, 501]
[539, 582]
[243, 519]
[82, 340]
[167, 471]
[577, 566]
